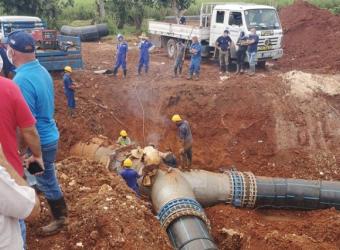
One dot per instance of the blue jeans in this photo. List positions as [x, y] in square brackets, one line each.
[143, 61]
[252, 61]
[48, 182]
[71, 102]
[195, 67]
[120, 62]
[23, 232]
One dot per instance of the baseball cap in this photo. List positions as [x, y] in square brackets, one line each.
[21, 41]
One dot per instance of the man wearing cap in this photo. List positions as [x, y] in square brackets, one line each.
[223, 44]
[15, 115]
[36, 85]
[121, 55]
[185, 135]
[145, 46]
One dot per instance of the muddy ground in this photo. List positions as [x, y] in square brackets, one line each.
[279, 123]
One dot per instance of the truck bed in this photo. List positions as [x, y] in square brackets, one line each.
[178, 30]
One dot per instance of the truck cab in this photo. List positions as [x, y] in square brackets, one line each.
[9, 24]
[243, 17]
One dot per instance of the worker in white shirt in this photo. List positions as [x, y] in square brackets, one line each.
[18, 201]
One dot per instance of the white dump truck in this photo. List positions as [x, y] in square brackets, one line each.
[214, 18]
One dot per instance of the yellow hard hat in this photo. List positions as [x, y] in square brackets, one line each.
[176, 118]
[127, 163]
[68, 69]
[123, 133]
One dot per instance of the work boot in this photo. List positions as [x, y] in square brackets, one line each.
[115, 70]
[124, 73]
[175, 71]
[237, 69]
[189, 77]
[59, 213]
[197, 77]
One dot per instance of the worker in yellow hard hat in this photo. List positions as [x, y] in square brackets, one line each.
[123, 139]
[185, 136]
[69, 88]
[130, 175]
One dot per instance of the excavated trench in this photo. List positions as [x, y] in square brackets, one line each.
[178, 197]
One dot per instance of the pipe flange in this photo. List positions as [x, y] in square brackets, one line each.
[230, 198]
[252, 190]
[185, 212]
[180, 207]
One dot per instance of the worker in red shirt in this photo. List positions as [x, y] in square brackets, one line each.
[16, 116]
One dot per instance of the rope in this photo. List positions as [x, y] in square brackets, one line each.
[141, 105]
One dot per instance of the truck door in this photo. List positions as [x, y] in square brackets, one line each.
[218, 24]
[235, 26]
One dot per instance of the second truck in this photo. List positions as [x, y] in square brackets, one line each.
[214, 18]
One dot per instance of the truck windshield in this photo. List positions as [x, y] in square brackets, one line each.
[262, 19]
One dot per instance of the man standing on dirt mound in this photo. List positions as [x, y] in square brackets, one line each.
[37, 88]
[184, 132]
[195, 64]
[145, 47]
[121, 55]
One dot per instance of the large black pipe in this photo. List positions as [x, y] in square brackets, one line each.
[86, 33]
[190, 233]
[297, 193]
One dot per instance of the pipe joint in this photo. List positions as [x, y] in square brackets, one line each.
[179, 208]
[243, 189]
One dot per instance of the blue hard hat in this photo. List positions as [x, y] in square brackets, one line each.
[21, 41]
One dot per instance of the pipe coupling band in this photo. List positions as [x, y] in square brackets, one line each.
[178, 208]
[243, 189]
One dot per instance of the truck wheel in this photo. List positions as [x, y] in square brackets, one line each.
[171, 48]
[261, 64]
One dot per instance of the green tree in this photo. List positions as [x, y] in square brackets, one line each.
[46, 9]
[179, 7]
[118, 9]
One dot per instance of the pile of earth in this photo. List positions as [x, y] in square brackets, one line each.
[311, 38]
[103, 213]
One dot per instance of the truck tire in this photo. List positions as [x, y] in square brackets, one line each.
[171, 48]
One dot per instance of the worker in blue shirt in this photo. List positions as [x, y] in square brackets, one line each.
[69, 87]
[223, 43]
[145, 47]
[37, 87]
[253, 41]
[130, 176]
[185, 135]
[195, 64]
[121, 56]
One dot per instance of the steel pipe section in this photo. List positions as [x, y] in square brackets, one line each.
[179, 213]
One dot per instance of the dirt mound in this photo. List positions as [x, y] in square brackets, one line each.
[103, 213]
[272, 229]
[311, 38]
